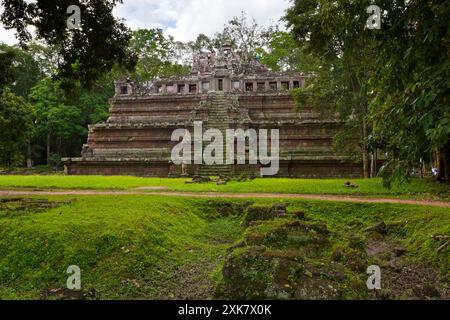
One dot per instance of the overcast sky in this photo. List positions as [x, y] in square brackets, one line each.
[184, 19]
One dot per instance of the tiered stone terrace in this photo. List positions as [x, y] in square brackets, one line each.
[223, 91]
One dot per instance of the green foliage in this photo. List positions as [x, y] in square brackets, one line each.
[258, 213]
[46, 57]
[53, 116]
[416, 188]
[55, 121]
[156, 55]
[16, 127]
[7, 56]
[142, 247]
[411, 104]
[127, 247]
[284, 53]
[289, 258]
[394, 80]
[85, 54]
[340, 81]
[94, 104]
[201, 44]
[53, 74]
[25, 71]
[60, 118]
[245, 35]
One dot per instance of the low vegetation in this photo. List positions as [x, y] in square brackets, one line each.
[152, 247]
[416, 188]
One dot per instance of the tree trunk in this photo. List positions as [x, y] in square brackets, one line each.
[366, 158]
[366, 164]
[446, 160]
[443, 163]
[422, 168]
[374, 164]
[48, 148]
[59, 145]
[440, 166]
[29, 160]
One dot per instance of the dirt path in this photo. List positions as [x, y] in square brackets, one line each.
[337, 198]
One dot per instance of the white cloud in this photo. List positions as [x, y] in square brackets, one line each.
[185, 19]
[7, 36]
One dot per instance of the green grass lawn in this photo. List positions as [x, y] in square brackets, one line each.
[147, 247]
[368, 187]
[116, 241]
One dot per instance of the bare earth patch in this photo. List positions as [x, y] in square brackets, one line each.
[191, 282]
[157, 188]
[403, 280]
[10, 207]
[336, 198]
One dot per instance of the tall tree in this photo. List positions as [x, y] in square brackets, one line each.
[16, 127]
[411, 109]
[201, 44]
[284, 53]
[401, 72]
[335, 32]
[85, 53]
[157, 55]
[57, 124]
[245, 34]
[7, 56]
[25, 71]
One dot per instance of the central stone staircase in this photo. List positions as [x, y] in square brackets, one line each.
[217, 119]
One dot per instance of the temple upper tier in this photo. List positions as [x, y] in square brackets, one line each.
[225, 71]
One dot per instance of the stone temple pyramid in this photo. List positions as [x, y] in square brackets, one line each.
[224, 91]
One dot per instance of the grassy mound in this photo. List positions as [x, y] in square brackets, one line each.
[323, 251]
[126, 247]
[152, 247]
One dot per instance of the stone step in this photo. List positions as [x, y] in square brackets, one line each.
[215, 167]
[217, 119]
[214, 173]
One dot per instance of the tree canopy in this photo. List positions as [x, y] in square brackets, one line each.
[395, 79]
[85, 53]
[157, 55]
[16, 127]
